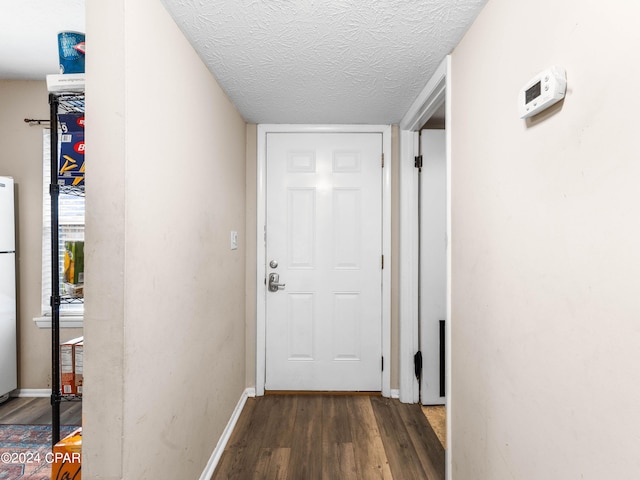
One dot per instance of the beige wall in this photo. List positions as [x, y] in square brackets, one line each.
[165, 298]
[545, 320]
[21, 158]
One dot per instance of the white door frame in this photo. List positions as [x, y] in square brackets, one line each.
[420, 111]
[261, 290]
[437, 90]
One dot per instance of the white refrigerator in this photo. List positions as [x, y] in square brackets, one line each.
[8, 341]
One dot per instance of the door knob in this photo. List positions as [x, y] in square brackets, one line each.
[274, 286]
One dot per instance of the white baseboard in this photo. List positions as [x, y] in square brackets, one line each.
[226, 434]
[31, 392]
[395, 393]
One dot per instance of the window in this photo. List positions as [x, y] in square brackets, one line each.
[71, 221]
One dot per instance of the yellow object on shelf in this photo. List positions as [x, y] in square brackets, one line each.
[74, 262]
[67, 457]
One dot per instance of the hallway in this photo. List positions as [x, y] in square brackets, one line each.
[331, 437]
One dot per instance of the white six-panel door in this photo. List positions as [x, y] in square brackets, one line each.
[324, 241]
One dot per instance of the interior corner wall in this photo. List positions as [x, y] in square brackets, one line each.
[251, 257]
[545, 235]
[165, 293]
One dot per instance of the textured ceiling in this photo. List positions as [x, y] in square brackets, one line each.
[332, 61]
[280, 61]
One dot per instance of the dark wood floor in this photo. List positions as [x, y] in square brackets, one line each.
[37, 411]
[332, 437]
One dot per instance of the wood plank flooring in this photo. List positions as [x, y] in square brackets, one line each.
[437, 418]
[37, 411]
[332, 437]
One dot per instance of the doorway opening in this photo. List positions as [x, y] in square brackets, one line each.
[436, 97]
[263, 263]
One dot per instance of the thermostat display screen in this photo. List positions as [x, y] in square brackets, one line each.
[532, 92]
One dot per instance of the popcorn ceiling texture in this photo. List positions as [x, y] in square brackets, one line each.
[311, 61]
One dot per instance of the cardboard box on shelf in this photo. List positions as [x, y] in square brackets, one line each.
[67, 366]
[67, 457]
[74, 291]
[70, 181]
[71, 159]
[78, 365]
[71, 122]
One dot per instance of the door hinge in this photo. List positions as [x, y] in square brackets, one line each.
[382, 363]
[418, 161]
[383, 160]
[417, 364]
[382, 258]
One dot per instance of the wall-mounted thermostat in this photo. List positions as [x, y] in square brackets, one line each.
[542, 91]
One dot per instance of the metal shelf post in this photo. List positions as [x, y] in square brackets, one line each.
[72, 102]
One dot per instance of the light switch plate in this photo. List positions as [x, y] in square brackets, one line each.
[234, 240]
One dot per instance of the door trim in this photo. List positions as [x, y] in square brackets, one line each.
[409, 255]
[261, 270]
[420, 111]
[438, 89]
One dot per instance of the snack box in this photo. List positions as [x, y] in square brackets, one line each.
[67, 367]
[78, 365]
[71, 122]
[69, 181]
[67, 457]
[71, 161]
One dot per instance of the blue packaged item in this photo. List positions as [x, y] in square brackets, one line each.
[71, 162]
[71, 51]
[71, 122]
